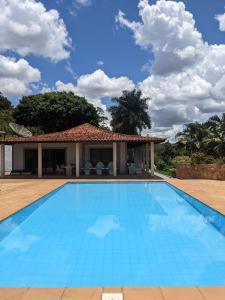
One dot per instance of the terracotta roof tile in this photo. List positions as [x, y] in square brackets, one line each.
[82, 133]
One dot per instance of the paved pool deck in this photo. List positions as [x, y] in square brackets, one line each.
[17, 193]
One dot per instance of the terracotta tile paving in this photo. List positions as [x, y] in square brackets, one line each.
[82, 294]
[136, 293]
[17, 193]
[211, 192]
[181, 293]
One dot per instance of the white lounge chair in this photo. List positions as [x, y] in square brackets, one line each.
[59, 170]
[99, 168]
[132, 169]
[87, 168]
[110, 167]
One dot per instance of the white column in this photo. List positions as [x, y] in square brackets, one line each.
[77, 160]
[39, 160]
[2, 161]
[13, 157]
[152, 160]
[123, 158]
[147, 157]
[114, 159]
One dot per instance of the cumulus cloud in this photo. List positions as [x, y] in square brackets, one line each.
[97, 85]
[16, 76]
[221, 20]
[28, 28]
[169, 31]
[187, 76]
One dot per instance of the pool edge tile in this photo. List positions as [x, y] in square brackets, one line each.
[213, 292]
[142, 293]
[181, 293]
[12, 293]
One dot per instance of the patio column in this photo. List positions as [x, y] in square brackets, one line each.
[152, 160]
[114, 159]
[77, 160]
[122, 158]
[147, 157]
[39, 160]
[2, 160]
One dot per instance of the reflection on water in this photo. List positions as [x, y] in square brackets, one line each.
[136, 234]
[104, 225]
[22, 242]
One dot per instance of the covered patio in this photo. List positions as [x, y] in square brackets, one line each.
[84, 150]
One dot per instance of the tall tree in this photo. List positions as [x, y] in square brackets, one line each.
[216, 126]
[5, 104]
[6, 114]
[193, 137]
[55, 111]
[130, 113]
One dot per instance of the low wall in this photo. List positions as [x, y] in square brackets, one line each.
[203, 171]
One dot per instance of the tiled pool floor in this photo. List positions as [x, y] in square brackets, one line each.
[28, 190]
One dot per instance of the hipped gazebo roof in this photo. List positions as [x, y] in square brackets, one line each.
[82, 133]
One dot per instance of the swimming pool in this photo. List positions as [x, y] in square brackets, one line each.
[113, 234]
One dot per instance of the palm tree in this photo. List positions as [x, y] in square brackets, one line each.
[193, 137]
[216, 127]
[130, 114]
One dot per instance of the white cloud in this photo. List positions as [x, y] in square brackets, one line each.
[76, 5]
[96, 86]
[100, 63]
[28, 28]
[70, 70]
[221, 20]
[16, 76]
[169, 31]
[187, 75]
[83, 2]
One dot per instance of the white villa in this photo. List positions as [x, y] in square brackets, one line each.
[82, 150]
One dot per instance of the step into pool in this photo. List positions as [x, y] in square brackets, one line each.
[113, 234]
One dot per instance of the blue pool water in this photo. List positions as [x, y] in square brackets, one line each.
[112, 234]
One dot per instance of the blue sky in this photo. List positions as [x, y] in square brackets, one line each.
[96, 37]
[173, 51]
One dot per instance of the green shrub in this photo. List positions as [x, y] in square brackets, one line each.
[172, 172]
[202, 158]
[181, 159]
[220, 161]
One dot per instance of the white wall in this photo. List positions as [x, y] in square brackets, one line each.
[18, 153]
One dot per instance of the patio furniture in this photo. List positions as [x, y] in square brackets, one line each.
[134, 169]
[110, 168]
[99, 168]
[131, 169]
[68, 170]
[87, 168]
[59, 170]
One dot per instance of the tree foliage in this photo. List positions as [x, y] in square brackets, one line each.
[5, 104]
[6, 114]
[201, 142]
[55, 111]
[130, 114]
[207, 138]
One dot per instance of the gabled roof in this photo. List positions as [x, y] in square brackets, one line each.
[82, 133]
